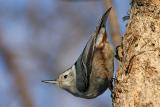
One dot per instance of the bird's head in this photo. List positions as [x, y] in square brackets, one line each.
[66, 80]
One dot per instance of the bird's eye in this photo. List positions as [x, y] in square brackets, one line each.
[65, 76]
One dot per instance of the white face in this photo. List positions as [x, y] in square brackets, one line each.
[67, 79]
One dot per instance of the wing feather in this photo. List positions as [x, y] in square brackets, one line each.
[84, 62]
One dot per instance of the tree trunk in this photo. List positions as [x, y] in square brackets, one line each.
[138, 78]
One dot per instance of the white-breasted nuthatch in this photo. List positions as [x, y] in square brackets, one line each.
[92, 73]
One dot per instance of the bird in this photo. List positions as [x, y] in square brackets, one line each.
[92, 73]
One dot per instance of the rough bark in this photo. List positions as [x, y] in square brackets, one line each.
[138, 78]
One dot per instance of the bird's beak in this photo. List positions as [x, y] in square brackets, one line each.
[51, 81]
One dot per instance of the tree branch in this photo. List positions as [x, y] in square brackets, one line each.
[140, 85]
[18, 76]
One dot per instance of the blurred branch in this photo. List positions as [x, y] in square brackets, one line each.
[114, 26]
[17, 74]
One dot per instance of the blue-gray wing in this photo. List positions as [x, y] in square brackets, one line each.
[84, 63]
